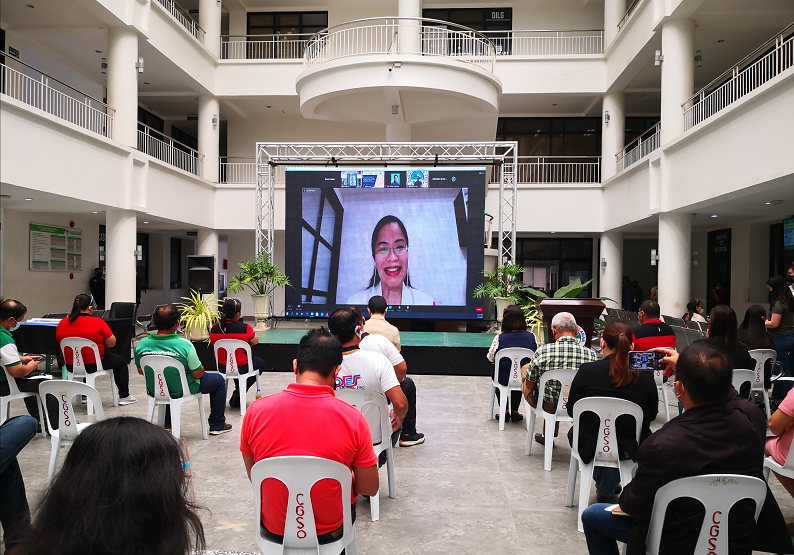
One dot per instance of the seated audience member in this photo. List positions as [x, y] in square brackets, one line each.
[14, 512]
[565, 352]
[377, 324]
[122, 489]
[230, 327]
[652, 332]
[80, 323]
[514, 334]
[327, 428]
[694, 311]
[722, 336]
[24, 369]
[753, 335]
[790, 278]
[720, 433]
[780, 325]
[611, 377]
[166, 342]
[782, 425]
[655, 293]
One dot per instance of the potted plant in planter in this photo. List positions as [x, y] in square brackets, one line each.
[502, 286]
[198, 315]
[262, 277]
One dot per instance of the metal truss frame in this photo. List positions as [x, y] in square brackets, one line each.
[497, 153]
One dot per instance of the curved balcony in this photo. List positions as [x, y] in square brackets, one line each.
[400, 70]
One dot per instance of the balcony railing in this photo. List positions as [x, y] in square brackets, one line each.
[632, 7]
[547, 43]
[400, 35]
[777, 56]
[168, 150]
[238, 169]
[56, 98]
[647, 142]
[264, 47]
[183, 18]
[555, 170]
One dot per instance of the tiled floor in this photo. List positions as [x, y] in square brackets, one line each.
[468, 489]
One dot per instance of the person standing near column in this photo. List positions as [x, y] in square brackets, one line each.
[780, 325]
[97, 287]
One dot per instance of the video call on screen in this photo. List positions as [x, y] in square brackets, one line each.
[411, 234]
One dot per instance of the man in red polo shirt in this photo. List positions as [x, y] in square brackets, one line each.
[308, 420]
[652, 332]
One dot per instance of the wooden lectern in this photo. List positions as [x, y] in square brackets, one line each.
[584, 310]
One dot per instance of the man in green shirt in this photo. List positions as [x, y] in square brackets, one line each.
[167, 342]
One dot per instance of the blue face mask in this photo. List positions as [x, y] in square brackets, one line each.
[16, 327]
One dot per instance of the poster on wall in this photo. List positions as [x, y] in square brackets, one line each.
[55, 249]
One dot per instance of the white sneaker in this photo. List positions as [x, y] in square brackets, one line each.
[128, 400]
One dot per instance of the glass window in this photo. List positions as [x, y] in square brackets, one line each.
[577, 248]
[539, 249]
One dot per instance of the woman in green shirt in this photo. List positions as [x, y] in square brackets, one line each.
[781, 327]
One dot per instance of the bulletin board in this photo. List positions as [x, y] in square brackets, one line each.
[55, 249]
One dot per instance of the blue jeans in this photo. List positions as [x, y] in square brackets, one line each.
[14, 511]
[606, 479]
[214, 385]
[783, 346]
[603, 530]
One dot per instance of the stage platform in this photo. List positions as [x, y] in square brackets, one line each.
[429, 353]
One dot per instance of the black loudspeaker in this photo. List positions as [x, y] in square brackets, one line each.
[200, 273]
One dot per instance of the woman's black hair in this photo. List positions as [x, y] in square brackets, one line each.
[780, 292]
[81, 302]
[384, 221]
[121, 490]
[229, 310]
[752, 332]
[513, 319]
[691, 308]
[722, 323]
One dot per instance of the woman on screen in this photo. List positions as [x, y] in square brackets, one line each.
[390, 276]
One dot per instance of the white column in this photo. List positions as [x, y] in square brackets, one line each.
[208, 246]
[208, 135]
[678, 73]
[210, 21]
[398, 133]
[120, 241]
[123, 83]
[675, 265]
[410, 30]
[614, 10]
[613, 132]
[611, 276]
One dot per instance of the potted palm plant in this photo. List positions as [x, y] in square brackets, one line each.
[503, 286]
[262, 277]
[198, 315]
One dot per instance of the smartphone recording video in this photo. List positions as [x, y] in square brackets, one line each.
[646, 360]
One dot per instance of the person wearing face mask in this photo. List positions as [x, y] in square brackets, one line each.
[694, 311]
[780, 326]
[790, 277]
[21, 368]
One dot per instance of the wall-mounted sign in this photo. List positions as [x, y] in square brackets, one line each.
[55, 249]
[13, 52]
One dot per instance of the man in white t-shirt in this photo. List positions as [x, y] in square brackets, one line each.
[365, 369]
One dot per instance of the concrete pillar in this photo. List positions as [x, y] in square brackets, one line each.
[410, 30]
[613, 132]
[208, 246]
[398, 133]
[123, 83]
[208, 135]
[614, 10]
[675, 265]
[678, 74]
[611, 280]
[210, 21]
[121, 241]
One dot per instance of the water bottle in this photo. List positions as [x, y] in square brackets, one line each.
[258, 393]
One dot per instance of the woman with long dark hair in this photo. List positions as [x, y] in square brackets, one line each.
[752, 331]
[80, 323]
[722, 335]
[390, 277]
[694, 311]
[780, 325]
[231, 327]
[122, 490]
[514, 334]
[611, 377]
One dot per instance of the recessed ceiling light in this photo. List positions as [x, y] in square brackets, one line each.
[774, 202]
[721, 40]
[98, 51]
[268, 106]
[553, 104]
[146, 222]
[28, 199]
[713, 215]
[31, 6]
[94, 212]
[553, 232]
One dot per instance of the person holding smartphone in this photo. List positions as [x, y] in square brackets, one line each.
[21, 368]
[611, 377]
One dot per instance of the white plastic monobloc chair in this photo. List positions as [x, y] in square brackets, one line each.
[608, 409]
[658, 377]
[162, 397]
[230, 346]
[15, 394]
[516, 355]
[299, 474]
[565, 376]
[761, 356]
[718, 493]
[742, 377]
[77, 344]
[68, 428]
[375, 409]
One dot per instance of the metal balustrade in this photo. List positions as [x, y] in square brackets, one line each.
[647, 142]
[555, 170]
[183, 18]
[547, 43]
[168, 150]
[67, 104]
[264, 47]
[240, 169]
[400, 35]
[632, 8]
[777, 56]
